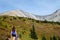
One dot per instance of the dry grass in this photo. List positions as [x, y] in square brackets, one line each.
[23, 26]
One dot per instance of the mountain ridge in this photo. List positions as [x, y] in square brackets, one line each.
[20, 13]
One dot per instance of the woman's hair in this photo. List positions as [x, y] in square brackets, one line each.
[13, 29]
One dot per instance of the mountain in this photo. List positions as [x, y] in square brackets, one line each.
[52, 17]
[19, 13]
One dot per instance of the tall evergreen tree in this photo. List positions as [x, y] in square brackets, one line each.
[58, 38]
[54, 38]
[51, 38]
[33, 33]
[43, 38]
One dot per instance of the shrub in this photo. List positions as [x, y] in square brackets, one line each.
[10, 19]
[37, 21]
[1, 23]
[20, 17]
[23, 19]
[20, 35]
[14, 18]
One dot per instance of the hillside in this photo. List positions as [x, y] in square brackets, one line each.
[27, 28]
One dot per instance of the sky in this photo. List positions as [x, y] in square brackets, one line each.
[37, 7]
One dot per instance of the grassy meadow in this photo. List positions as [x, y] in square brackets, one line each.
[29, 29]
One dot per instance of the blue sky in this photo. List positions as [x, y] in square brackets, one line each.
[38, 7]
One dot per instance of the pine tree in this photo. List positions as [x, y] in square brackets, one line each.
[54, 38]
[33, 33]
[43, 38]
[51, 38]
[58, 38]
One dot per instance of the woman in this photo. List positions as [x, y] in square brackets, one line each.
[13, 33]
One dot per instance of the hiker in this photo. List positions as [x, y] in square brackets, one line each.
[13, 33]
